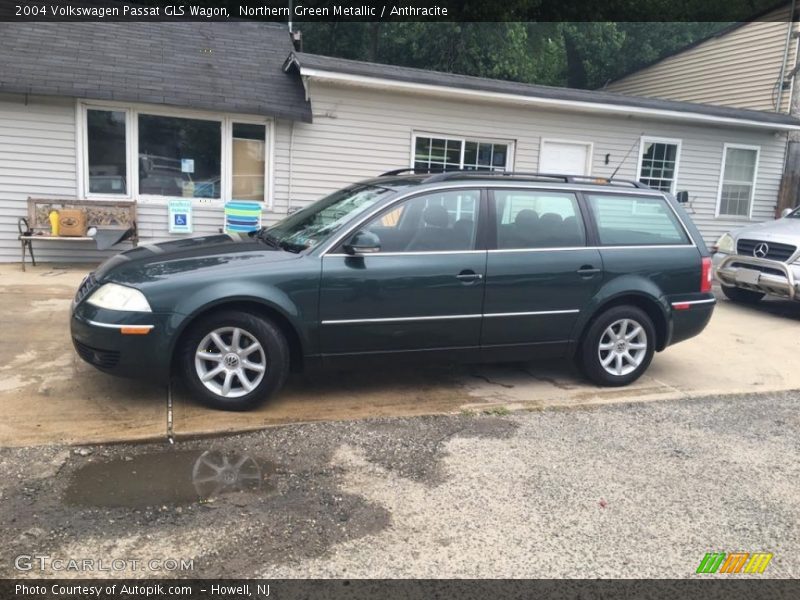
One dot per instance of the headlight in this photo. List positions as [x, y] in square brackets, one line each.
[119, 297]
[725, 244]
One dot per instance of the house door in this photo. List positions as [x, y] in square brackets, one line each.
[567, 158]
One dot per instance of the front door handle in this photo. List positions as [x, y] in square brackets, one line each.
[588, 271]
[469, 276]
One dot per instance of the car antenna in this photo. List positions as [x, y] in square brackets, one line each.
[624, 158]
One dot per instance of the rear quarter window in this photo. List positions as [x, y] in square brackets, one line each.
[635, 220]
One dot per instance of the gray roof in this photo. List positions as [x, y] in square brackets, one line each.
[421, 76]
[232, 67]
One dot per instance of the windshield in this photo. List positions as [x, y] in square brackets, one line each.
[309, 226]
[795, 214]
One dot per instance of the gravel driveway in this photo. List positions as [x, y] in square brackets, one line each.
[626, 490]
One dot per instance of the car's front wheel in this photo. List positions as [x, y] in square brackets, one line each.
[618, 346]
[234, 360]
[742, 296]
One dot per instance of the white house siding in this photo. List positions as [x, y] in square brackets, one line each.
[37, 158]
[359, 132]
[740, 68]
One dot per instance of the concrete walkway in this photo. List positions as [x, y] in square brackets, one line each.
[50, 396]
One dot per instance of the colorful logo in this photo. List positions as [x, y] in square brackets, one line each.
[735, 562]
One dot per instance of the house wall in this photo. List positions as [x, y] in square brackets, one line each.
[358, 133]
[38, 159]
[739, 69]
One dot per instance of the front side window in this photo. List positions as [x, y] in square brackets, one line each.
[538, 219]
[436, 154]
[738, 181]
[438, 222]
[107, 151]
[635, 220]
[659, 164]
[179, 157]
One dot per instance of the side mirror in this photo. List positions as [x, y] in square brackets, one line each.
[786, 212]
[363, 242]
[682, 197]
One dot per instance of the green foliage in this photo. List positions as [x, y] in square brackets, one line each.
[575, 54]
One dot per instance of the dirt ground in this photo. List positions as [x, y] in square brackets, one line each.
[51, 397]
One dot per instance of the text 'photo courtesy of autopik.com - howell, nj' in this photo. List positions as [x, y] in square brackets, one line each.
[357, 300]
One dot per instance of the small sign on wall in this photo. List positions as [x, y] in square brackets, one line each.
[180, 216]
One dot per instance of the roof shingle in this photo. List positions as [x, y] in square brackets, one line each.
[232, 67]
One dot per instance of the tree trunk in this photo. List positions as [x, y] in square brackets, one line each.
[576, 72]
[374, 30]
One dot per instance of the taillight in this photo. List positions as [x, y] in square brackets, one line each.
[705, 277]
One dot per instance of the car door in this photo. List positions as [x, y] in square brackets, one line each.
[422, 291]
[540, 273]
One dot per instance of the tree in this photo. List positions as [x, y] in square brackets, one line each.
[574, 54]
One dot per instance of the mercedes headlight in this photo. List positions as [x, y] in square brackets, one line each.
[119, 297]
[726, 245]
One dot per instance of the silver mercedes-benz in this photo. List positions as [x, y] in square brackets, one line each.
[761, 259]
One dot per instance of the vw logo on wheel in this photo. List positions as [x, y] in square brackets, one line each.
[761, 250]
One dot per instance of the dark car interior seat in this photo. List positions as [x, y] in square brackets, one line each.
[435, 233]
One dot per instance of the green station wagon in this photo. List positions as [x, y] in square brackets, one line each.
[464, 266]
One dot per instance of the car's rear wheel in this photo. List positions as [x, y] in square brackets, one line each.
[742, 296]
[618, 346]
[234, 360]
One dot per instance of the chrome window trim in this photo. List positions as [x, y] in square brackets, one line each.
[449, 317]
[507, 250]
[574, 248]
[117, 326]
[324, 248]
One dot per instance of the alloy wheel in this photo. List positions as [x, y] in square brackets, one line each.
[230, 362]
[622, 347]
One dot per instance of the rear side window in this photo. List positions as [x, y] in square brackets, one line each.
[538, 219]
[635, 220]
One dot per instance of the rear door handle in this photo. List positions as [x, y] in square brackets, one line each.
[467, 276]
[588, 271]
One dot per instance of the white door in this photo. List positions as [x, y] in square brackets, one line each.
[565, 158]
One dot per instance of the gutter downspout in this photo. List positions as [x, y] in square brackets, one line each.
[782, 76]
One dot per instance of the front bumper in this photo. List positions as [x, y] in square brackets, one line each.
[98, 338]
[758, 275]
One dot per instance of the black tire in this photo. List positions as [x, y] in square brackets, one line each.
[590, 353]
[273, 354]
[742, 296]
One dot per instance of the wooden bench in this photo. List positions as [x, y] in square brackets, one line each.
[105, 215]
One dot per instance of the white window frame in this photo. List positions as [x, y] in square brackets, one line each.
[82, 149]
[511, 144]
[132, 111]
[725, 148]
[645, 139]
[589, 155]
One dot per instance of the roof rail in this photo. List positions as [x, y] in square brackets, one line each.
[398, 172]
[534, 175]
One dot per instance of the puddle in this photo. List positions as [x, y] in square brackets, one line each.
[172, 477]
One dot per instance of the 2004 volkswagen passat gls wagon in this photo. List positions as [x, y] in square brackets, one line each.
[466, 266]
